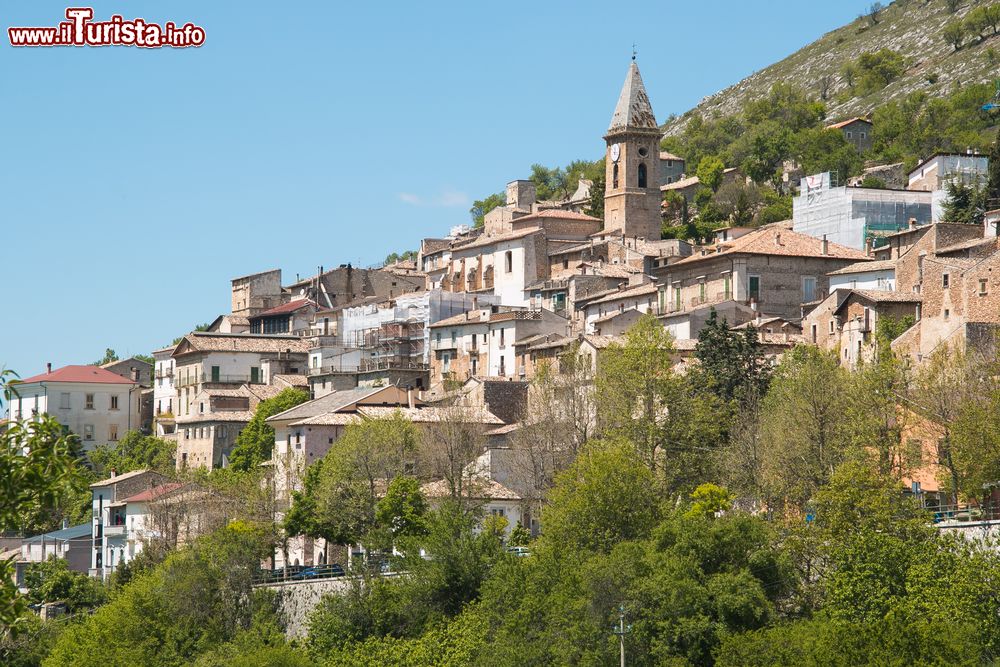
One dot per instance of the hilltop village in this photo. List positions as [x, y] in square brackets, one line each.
[495, 336]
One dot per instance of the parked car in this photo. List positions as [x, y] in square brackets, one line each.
[520, 552]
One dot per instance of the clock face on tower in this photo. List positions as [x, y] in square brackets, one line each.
[616, 151]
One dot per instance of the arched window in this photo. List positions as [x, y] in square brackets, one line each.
[614, 176]
[642, 174]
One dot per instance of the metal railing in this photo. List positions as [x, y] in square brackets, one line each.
[966, 513]
[294, 573]
[214, 378]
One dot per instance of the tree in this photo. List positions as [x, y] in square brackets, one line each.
[732, 362]
[402, 510]
[449, 444]
[803, 431]
[341, 490]
[823, 149]
[601, 500]
[710, 171]
[874, 183]
[40, 467]
[874, 11]
[966, 203]
[256, 441]
[738, 202]
[134, 451]
[764, 146]
[53, 581]
[993, 177]
[481, 207]
[109, 356]
[849, 72]
[954, 34]
[406, 255]
[877, 69]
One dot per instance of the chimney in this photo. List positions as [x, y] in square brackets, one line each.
[777, 238]
[868, 245]
[826, 246]
[913, 223]
[48, 367]
[409, 397]
[135, 374]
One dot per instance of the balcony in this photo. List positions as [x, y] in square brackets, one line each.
[214, 378]
[114, 531]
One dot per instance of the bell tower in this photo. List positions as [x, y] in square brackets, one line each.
[632, 180]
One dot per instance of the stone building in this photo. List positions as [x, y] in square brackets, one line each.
[857, 131]
[632, 180]
[770, 271]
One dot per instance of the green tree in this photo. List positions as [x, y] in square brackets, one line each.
[821, 149]
[406, 255]
[341, 490]
[732, 362]
[877, 69]
[763, 148]
[803, 431]
[402, 510]
[481, 207]
[134, 451]
[710, 171]
[109, 356]
[256, 441]
[966, 203]
[40, 468]
[53, 581]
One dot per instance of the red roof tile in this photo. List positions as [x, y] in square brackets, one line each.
[155, 492]
[289, 307]
[90, 374]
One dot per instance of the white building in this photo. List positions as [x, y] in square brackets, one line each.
[164, 393]
[851, 216]
[97, 405]
[879, 275]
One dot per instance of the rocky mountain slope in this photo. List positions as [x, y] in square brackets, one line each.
[914, 28]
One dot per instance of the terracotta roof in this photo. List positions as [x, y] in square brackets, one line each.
[865, 267]
[664, 155]
[639, 290]
[118, 478]
[504, 430]
[613, 315]
[845, 123]
[431, 415]
[330, 419]
[888, 297]
[289, 307]
[332, 402]
[557, 213]
[775, 239]
[471, 317]
[290, 380]
[681, 184]
[601, 342]
[155, 492]
[88, 374]
[202, 341]
[485, 489]
[609, 270]
[485, 240]
[228, 416]
[965, 245]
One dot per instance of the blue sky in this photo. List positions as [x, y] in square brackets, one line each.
[135, 183]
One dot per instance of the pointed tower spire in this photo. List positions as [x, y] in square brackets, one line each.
[633, 109]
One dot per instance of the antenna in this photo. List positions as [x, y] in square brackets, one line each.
[633, 51]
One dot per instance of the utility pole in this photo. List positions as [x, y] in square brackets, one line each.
[621, 630]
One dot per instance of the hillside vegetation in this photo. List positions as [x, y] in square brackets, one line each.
[918, 30]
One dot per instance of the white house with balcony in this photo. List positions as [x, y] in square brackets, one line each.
[164, 392]
[95, 404]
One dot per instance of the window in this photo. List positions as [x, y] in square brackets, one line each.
[850, 135]
[64, 400]
[437, 337]
[215, 373]
[508, 259]
[614, 176]
[754, 288]
[114, 402]
[503, 371]
[946, 313]
[475, 366]
[89, 402]
[498, 511]
[642, 174]
[254, 375]
[501, 337]
[814, 333]
[982, 287]
[112, 432]
[446, 362]
[701, 290]
[565, 263]
[677, 297]
[726, 287]
[453, 336]
[88, 431]
[864, 135]
[808, 289]
[831, 326]
[945, 280]
[184, 460]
